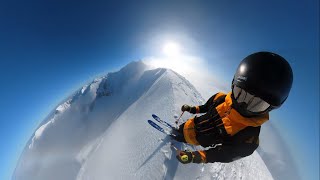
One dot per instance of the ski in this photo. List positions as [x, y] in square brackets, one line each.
[156, 126]
[162, 121]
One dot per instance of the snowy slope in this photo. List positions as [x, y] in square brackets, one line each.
[276, 154]
[101, 133]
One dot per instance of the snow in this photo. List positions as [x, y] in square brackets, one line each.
[276, 154]
[101, 132]
[39, 131]
[63, 107]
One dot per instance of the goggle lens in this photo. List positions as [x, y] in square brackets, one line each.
[254, 104]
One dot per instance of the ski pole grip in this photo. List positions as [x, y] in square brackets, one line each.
[184, 158]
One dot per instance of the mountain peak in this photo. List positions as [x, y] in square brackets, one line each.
[134, 66]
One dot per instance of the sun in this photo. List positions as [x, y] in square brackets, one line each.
[171, 48]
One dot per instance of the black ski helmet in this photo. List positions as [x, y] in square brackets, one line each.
[265, 75]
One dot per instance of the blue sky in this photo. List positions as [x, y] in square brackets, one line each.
[48, 49]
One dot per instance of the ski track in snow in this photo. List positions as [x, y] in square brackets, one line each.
[101, 132]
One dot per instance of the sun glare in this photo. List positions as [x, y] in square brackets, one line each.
[174, 58]
[171, 49]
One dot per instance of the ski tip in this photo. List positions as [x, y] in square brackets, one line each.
[152, 123]
[154, 116]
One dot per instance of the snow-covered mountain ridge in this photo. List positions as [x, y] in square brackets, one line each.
[100, 132]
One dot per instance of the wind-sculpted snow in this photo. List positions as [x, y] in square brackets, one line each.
[101, 132]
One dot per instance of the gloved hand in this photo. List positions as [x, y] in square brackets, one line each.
[177, 135]
[186, 108]
[185, 157]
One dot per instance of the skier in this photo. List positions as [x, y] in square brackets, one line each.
[231, 124]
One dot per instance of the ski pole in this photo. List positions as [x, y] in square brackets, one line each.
[175, 148]
[179, 118]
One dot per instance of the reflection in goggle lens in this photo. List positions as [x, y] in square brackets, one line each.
[254, 104]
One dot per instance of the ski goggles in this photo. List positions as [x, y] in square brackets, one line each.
[252, 103]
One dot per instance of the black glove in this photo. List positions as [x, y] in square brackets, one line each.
[185, 157]
[177, 134]
[186, 108]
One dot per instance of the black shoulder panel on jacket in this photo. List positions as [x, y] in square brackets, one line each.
[243, 144]
[247, 135]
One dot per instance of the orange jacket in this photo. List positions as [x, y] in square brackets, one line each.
[221, 124]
